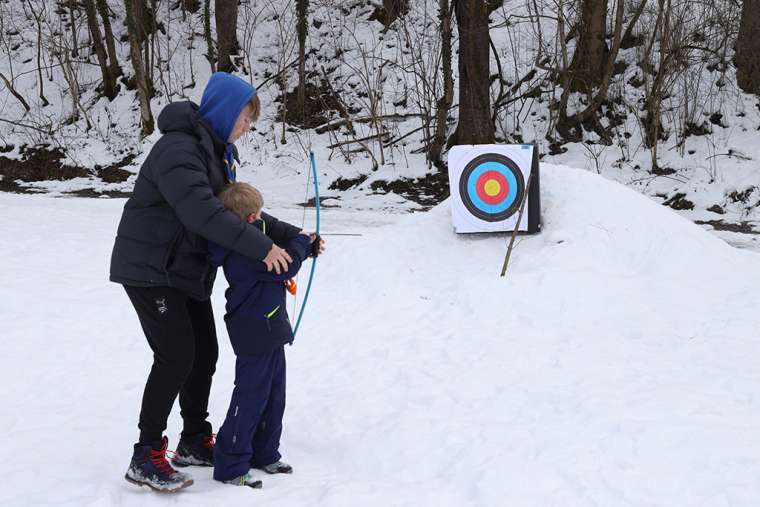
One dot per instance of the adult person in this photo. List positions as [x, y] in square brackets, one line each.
[160, 257]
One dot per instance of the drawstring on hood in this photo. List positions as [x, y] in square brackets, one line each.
[223, 100]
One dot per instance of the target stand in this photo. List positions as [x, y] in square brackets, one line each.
[488, 184]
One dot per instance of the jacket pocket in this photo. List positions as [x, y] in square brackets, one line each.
[273, 314]
[171, 250]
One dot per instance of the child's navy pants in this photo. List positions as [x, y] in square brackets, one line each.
[250, 435]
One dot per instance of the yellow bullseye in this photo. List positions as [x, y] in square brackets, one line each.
[492, 188]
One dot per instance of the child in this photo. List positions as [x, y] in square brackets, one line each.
[259, 328]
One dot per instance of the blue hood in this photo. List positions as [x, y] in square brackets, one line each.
[223, 99]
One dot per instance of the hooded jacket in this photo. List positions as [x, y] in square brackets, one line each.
[256, 318]
[173, 211]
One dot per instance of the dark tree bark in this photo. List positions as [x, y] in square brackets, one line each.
[38, 16]
[143, 19]
[226, 33]
[210, 53]
[748, 48]
[629, 40]
[113, 60]
[191, 5]
[605, 73]
[443, 105]
[475, 125]
[109, 80]
[591, 52]
[390, 11]
[141, 78]
[72, 19]
[302, 8]
[15, 93]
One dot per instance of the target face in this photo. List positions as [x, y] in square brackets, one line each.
[492, 187]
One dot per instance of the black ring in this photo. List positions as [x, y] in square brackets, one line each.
[499, 159]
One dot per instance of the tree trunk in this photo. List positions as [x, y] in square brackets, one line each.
[135, 56]
[748, 48]
[591, 51]
[475, 125]
[113, 60]
[143, 19]
[302, 6]
[608, 68]
[109, 80]
[75, 47]
[190, 5]
[38, 19]
[226, 33]
[390, 11]
[210, 54]
[443, 105]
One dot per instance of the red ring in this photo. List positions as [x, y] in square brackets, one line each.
[480, 187]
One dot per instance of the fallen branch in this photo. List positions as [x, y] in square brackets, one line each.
[16, 94]
[351, 141]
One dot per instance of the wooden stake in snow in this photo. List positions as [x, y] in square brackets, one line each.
[517, 226]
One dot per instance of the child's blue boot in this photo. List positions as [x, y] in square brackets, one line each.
[278, 467]
[245, 480]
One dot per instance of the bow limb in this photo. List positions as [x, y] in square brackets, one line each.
[314, 260]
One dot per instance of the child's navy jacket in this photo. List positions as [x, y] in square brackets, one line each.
[256, 318]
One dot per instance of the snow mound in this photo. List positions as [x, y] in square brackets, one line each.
[611, 367]
[616, 364]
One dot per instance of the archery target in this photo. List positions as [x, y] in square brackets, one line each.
[488, 185]
[492, 187]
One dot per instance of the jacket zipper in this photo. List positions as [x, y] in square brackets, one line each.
[171, 251]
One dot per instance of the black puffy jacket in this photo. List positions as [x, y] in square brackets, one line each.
[173, 211]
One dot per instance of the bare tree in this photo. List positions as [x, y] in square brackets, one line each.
[591, 51]
[190, 5]
[748, 48]
[144, 87]
[105, 15]
[475, 125]
[390, 11]
[109, 80]
[39, 14]
[605, 72]
[226, 13]
[444, 103]
[302, 9]
[73, 26]
[210, 51]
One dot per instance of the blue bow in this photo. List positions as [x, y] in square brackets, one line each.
[314, 260]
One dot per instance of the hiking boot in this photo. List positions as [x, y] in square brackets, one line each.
[195, 450]
[245, 480]
[149, 467]
[278, 467]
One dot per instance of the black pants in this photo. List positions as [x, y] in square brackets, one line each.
[182, 335]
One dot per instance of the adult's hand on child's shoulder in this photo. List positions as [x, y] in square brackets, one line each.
[277, 259]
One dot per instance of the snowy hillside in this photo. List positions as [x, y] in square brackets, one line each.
[708, 167]
[615, 365]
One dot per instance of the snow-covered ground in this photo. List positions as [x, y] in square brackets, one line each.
[616, 365]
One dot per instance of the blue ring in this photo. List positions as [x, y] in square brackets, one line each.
[473, 193]
[469, 196]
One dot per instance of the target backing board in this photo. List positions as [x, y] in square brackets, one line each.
[488, 184]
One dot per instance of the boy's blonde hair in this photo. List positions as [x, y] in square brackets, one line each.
[242, 199]
[256, 103]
